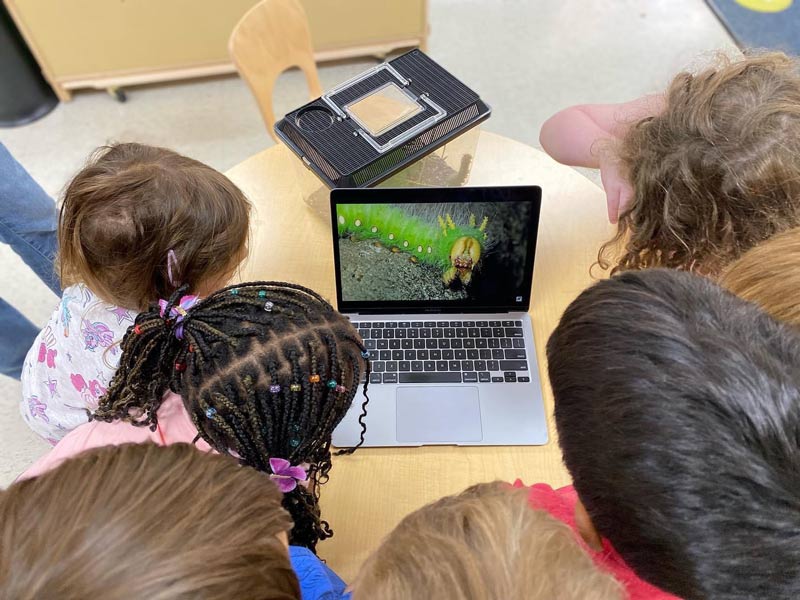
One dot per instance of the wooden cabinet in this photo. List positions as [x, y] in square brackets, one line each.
[112, 43]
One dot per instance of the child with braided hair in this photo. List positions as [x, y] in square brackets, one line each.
[262, 371]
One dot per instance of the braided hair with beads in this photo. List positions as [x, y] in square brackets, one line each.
[266, 370]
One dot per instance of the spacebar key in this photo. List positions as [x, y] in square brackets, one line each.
[431, 377]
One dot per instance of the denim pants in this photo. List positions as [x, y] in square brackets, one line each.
[28, 219]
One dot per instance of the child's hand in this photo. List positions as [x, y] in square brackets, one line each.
[619, 192]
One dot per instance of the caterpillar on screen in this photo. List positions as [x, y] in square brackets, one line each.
[429, 236]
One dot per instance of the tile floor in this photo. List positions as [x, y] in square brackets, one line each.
[527, 58]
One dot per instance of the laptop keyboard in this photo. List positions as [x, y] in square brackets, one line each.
[445, 351]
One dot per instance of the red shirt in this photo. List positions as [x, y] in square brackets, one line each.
[561, 505]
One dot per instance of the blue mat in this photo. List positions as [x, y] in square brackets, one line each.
[754, 28]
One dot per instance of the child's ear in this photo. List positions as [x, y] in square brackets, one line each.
[586, 527]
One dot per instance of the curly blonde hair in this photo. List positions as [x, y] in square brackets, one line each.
[715, 173]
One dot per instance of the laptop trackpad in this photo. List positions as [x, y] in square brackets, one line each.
[437, 415]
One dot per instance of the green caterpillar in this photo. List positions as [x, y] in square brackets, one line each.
[455, 249]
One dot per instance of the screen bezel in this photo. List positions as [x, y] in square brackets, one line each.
[524, 193]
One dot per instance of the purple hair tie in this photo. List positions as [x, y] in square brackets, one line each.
[179, 311]
[287, 477]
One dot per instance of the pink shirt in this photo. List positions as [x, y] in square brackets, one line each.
[561, 505]
[174, 426]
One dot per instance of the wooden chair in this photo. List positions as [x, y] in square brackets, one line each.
[270, 38]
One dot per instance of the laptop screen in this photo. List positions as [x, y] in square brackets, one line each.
[434, 249]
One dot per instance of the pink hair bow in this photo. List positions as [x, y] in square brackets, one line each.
[179, 311]
[286, 476]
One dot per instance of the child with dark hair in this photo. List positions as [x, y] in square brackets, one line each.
[136, 222]
[262, 371]
[697, 175]
[678, 412]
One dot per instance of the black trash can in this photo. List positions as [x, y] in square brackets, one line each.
[24, 94]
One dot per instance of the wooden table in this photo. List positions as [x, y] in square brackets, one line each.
[370, 491]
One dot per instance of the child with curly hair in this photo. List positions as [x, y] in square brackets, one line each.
[698, 175]
[262, 371]
[135, 223]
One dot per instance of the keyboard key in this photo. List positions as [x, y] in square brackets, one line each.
[441, 324]
[494, 343]
[430, 324]
[385, 354]
[492, 365]
[390, 325]
[485, 354]
[508, 323]
[470, 377]
[523, 379]
[486, 332]
[404, 324]
[441, 365]
[505, 342]
[406, 344]
[378, 366]
[376, 333]
[429, 365]
[444, 343]
[373, 355]
[457, 324]
[469, 343]
[497, 354]
[454, 365]
[416, 365]
[497, 379]
[375, 378]
[397, 355]
[404, 365]
[435, 377]
[480, 365]
[435, 354]
[449, 332]
[494, 323]
[369, 344]
[390, 378]
[437, 332]
[430, 343]
[513, 332]
[518, 343]
[412, 333]
[481, 323]
[484, 377]
[382, 344]
[511, 376]
[447, 355]
[354, 324]
[364, 333]
[481, 343]
[377, 325]
[517, 323]
[472, 354]
[467, 365]
[461, 332]
[419, 344]
[388, 333]
[515, 353]
[394, 344]
[424, 333]
[473, 332]
[461, 354]
[391, 366]
[400, 333]
[422, 355]
[409, 355]
[469, 323]
[513, 365]
[456, 343]
[497, 332]
[416, 323]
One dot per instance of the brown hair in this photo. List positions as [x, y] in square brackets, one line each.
[132, 204]
[488, 543]
[145, 521]
[715, 173]
[769, 276]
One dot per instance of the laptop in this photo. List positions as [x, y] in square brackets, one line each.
[438, 283]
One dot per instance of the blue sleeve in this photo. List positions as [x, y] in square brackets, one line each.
[317, 580]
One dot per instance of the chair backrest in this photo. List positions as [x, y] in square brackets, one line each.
[271, 37]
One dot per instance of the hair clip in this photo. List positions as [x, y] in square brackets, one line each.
[180, 366]
[287, 477]
[234, 292]
[295, 387]
[332, 383]
[210, 412]
[190, 348]
[340, 389]
[313, 378]
[365, 354]
[137, 330]
[262, 294]
[178, 312]
[274, 388]
[268, 306]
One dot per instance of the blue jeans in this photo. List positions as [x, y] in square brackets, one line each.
[28, 219]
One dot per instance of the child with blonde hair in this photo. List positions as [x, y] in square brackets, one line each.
[136, 223]
[769, 276]
[698, 175]
[144, 521]
[488, 543]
